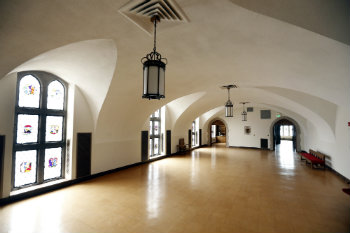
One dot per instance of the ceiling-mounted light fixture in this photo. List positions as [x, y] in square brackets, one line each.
[154, 70]
[244, 113]
[229, 105]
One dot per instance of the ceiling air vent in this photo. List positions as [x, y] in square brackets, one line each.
[140, 12]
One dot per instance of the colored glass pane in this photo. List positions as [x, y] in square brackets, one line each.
[55, 96]
[53, 163]
[156, 128]
[25, 167]
[27, 128]
[53, 128]
[29, 92]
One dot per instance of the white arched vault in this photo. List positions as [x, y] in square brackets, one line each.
[89, 65]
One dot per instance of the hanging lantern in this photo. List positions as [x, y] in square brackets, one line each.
[244, 113]
[228, 109]
[154, 70]
[229, 105]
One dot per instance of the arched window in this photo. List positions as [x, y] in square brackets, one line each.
[195, 132]
[156, 133]
[39, 134]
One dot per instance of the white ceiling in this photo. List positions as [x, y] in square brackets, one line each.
[260, 48]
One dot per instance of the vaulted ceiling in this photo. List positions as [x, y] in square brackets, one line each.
[279, 53]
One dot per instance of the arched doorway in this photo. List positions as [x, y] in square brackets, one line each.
[217, 132]
[285, 130]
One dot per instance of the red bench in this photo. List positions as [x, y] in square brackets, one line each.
[316, 159]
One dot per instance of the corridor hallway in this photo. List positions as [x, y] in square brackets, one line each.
[214, 189]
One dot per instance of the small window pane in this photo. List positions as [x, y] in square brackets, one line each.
[150, 146]
[55, 96]
[291, 129]
[156, 128]
[281, 131]
[52, 163]
[29, 92]
[156, 113]
[54, 128]
[27, 128]
[156, 146]
[150, 127]
[213, 131]
[25, 167]
[285, 133]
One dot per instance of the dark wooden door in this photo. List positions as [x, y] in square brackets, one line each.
[84, 155]
[2, 154]
[263, 143]
[168, 142]
[144, 146]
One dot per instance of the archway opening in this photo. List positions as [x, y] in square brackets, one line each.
[217, 132]
[284, 135]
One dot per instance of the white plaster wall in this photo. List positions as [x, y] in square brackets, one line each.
[337, 152]
[260, 128]
[83, 123]
[7, 108]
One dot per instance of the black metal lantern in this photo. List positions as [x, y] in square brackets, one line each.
[229, 105]
[228, 109]
[154, 70]
[244, 113]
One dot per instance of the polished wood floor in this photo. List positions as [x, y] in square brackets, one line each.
[209, 190]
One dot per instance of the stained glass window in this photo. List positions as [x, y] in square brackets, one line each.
[52, 163]
[55, 96]
[25, 167]
[39, 127]
[53, 128]
[29, 92]
[27, 128]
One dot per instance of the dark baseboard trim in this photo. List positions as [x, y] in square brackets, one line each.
[39, 191]
[338, 174]
[248, 147]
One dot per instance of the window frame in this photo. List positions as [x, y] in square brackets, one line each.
[44, 80]
[152, 136]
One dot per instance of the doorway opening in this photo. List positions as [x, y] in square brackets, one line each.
[217, 132]
[285, 133]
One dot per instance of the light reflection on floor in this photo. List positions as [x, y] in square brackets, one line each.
[213, 157]
[154, 191]
[194, 166]
[285, 155]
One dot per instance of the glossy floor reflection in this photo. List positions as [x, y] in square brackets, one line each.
[208, 190]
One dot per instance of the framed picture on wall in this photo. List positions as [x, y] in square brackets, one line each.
[247, 130]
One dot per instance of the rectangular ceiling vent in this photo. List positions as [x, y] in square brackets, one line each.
[141, 11]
